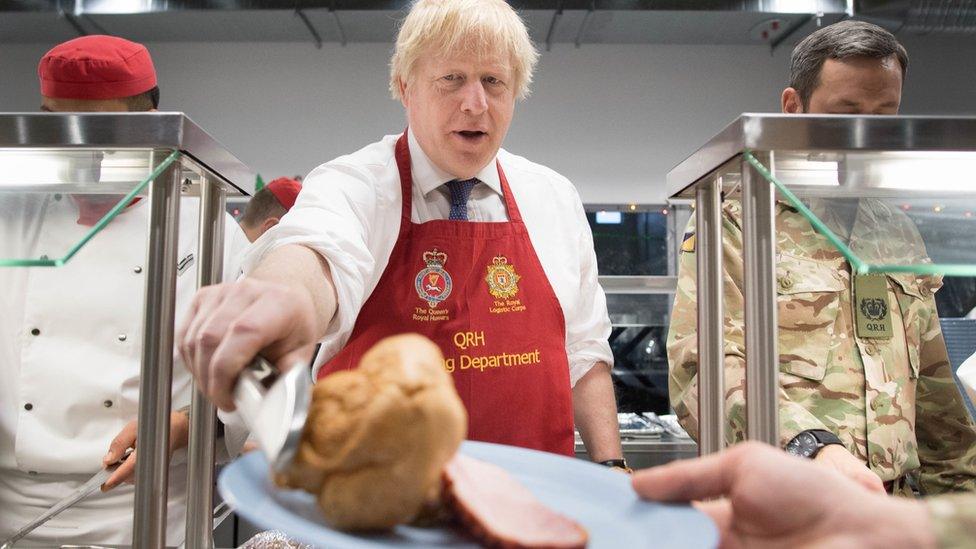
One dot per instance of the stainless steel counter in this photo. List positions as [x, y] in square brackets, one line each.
[643, 452]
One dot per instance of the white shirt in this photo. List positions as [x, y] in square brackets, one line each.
[70, 352]
[349, 212]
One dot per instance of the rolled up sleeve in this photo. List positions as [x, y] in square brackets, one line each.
[334, 214]
[588, 327]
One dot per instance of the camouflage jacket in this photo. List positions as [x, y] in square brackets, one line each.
[954, 520]
[893, 402]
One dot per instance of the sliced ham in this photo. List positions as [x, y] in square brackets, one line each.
[500, 512]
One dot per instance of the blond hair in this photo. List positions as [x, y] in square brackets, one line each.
[482, 27]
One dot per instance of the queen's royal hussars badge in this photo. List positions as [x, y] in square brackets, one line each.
[874, 309]
[433, 283]
[502, 278]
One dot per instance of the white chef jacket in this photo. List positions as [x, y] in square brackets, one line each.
[349, 211]
[70, 354]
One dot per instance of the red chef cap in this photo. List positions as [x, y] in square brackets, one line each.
[285, 190]
[96, 67]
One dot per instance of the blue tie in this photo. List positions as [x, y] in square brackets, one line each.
[460, 191]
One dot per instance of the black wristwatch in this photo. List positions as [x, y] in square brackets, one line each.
[809, 443]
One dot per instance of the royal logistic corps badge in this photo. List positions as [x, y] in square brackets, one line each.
[502, 278]
[433, 283]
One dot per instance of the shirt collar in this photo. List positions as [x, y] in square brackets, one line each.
[428, 177]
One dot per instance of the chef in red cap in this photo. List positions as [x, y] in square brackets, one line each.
[268, 205]
[70, 337]
[98, 74]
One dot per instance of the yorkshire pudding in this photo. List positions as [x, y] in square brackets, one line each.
[378, 437]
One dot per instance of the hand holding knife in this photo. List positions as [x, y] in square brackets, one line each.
[91, 486]
[274, 407]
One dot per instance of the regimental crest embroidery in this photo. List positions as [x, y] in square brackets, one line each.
[502, 278]
[874, 309]
[433, 283]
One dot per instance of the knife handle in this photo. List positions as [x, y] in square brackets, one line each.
[262, 372]
[252, 385]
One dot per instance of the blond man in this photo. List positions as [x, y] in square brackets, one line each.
[437, 230]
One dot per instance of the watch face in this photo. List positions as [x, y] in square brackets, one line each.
[804, 445]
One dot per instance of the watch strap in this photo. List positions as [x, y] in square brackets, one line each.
[825, 438]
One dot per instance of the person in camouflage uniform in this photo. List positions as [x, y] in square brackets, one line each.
[891, 401]
[772, 499]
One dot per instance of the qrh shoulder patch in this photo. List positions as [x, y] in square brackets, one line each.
[871, 311]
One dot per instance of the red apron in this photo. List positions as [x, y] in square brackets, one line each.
[479, 292]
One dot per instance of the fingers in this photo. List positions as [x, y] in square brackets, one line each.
[179, 431]
[841, 460]
[264, 321]
[184, 325]
[126, 439]
[685, 480]
[720, 511]
[217, 329]
[123, 441]
[125, 473]
[703, 478]
[217, 310]
[871, 481]
[246, 337]
[190, 339]
[234, 322]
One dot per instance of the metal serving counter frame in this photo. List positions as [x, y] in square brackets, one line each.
[221, 174]
[722, 167]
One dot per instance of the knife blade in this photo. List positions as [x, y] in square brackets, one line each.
[274, 406]
[90, 486]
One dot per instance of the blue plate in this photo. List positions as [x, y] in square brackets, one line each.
[599, 498]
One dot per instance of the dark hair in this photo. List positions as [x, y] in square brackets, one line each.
[842, 40]
[262, 205]
[144, 101]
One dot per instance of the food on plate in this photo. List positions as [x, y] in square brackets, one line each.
[379, 449]
[377, 438]
[497, 510]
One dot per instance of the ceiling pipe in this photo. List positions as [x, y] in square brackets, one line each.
[120, 7]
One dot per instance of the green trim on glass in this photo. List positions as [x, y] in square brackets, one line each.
[944, 269]
[105, 220]
[858, 265]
